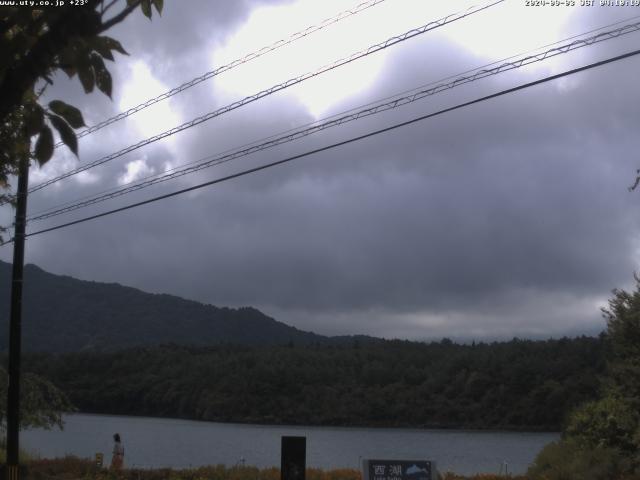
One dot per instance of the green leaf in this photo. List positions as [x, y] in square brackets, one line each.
[66, 133]
[131, 2]
[104, 82]
[67, 59]
[44, 145]
[158, 4]
[145, 5]
[101, 46]
[69, 70]
[103, 77]
[35, 121]
[113, 44]
[70, 113]
[87, 77]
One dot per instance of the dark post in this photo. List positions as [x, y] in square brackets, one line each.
[13, 394]
[293, 458]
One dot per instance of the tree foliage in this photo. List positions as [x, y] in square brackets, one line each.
[610, 424]
[623, 334]
[35, 43]
[569, 460]
[517, 384]
[41, 402]
[613, 421]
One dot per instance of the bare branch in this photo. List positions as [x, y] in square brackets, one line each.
[119, 17]
[635, 184]
[40, 92]
[105, 9]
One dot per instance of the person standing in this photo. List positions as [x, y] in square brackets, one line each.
[117, 460]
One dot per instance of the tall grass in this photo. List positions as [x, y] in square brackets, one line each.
[73, 468]
[25, 457]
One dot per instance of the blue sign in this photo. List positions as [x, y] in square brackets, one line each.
[398, 470]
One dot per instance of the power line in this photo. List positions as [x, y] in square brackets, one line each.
[293, 81]
[344, 142]
[415, 94]
[247, 58]
[371, 109]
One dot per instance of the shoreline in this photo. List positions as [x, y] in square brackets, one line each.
[149, 444]
[401, 427]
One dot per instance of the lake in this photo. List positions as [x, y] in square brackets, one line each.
[156, 442]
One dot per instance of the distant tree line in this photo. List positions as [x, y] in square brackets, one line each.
[514, 385]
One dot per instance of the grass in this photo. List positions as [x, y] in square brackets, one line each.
[74, 468]
[24, 456]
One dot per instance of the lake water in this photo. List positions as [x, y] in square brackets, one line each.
[154, 442]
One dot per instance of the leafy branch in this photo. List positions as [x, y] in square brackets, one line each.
[34, 44]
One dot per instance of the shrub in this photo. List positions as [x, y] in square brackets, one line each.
[568, 460]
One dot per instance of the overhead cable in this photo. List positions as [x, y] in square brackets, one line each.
[229, 66]
[371, 109]
[344, 142]
[289, 83]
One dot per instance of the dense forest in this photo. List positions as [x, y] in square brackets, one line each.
[515, 385]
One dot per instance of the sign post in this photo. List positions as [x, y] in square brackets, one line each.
[293, 458]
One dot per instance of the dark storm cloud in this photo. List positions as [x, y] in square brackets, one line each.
[506, 218]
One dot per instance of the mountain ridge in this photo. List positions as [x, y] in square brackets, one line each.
[64, 314]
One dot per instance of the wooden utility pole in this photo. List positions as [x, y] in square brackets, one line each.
[12, 471]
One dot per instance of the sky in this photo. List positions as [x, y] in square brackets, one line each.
[508, 218]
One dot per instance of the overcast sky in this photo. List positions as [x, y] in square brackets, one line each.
[507, 218]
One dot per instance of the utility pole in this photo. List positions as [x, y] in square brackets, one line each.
[12, 471]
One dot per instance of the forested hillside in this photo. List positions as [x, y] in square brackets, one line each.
[63, 314]
[517, 384]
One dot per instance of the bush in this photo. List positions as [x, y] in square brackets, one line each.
[479, 476]
[568, 460]
[610, 422]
